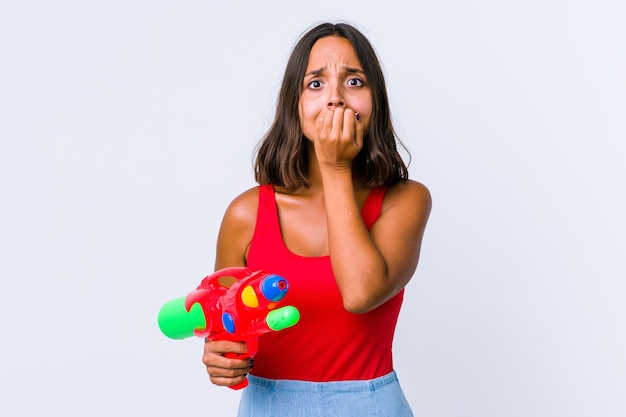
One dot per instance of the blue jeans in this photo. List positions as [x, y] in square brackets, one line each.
[379, 397]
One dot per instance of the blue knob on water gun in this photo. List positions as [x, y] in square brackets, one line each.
[274, 287]
[228, 322]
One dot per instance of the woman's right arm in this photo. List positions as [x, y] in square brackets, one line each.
[233, 241]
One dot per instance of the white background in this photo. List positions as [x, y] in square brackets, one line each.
[126, 127]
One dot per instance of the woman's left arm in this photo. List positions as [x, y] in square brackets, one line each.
[371, 267]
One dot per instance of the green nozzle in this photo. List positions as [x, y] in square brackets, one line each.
[177, 323]
[282, 318]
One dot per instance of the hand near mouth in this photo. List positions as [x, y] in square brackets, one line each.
[339, 137]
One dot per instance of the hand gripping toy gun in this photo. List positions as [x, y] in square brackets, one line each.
[239, 312]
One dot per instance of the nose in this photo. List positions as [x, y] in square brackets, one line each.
[335, 99]
[333, 104]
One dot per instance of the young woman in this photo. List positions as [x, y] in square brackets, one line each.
[337, 216]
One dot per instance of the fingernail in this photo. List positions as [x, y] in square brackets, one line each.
[358, 117]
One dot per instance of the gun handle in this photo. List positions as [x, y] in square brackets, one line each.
[240, 385]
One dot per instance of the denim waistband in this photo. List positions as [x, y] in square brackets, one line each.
[332, 386]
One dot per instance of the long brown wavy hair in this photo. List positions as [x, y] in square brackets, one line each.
[282, 154]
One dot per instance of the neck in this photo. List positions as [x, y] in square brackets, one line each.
[314, 175]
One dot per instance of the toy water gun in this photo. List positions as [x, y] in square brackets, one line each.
[231, 304]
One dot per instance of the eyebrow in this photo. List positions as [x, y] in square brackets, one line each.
[350, 70]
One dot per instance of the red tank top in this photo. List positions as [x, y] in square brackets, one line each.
[328, 343]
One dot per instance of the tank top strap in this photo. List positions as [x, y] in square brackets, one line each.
[267, 227]
[370, 212]
[267, 201]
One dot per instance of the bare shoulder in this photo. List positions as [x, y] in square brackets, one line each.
[408, 195]
[244, 207]
[401, 225]
[237, 229]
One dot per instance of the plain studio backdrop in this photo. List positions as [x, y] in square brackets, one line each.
[127, 127]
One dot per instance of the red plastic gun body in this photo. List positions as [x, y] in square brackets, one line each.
[243, 310]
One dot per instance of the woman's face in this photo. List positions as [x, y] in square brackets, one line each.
[333, 78]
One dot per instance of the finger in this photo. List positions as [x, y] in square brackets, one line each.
[225, 361]
[337, 128]
[225, 367]
[225, 346]
[324, 123]
[225, 354]
[348, 130]
[225, 381]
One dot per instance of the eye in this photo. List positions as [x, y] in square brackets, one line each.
[355, 82]
[315, 84]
